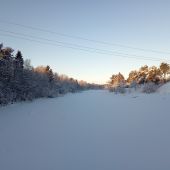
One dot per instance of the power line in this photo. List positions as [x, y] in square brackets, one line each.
[85, 39]
[76, 45]
[55, 41]
[83, 49]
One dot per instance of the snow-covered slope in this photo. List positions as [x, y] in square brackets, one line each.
[165, 88]
[93, 130]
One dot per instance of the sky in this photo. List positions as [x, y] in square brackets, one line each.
[141, 24]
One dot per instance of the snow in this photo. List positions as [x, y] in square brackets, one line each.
[165, 88]
[92, 130]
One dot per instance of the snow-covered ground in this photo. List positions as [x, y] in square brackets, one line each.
[165, 89]
[92, 130]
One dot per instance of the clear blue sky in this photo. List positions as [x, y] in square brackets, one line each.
[138, 23]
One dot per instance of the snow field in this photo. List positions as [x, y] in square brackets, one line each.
[92, 130]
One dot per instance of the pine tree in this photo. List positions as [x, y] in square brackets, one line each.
[49, 73]
[18, 85]
[19, 61]
[165, 68]
[117, 79]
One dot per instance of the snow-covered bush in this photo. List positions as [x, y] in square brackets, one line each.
[118, 89]
[133, 85]
[149, 87]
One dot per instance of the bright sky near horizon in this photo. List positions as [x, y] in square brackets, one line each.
[143, 24]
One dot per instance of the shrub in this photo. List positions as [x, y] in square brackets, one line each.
[149, 87]
[118, 89]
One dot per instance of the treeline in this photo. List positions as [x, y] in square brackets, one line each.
[19, 81]
[151, 77]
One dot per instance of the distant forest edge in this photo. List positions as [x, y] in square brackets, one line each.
[147, 79]
[19, 81]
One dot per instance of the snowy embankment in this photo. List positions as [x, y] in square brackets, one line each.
[165, 89]
[93, 130]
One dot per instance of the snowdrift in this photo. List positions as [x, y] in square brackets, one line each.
[165, 88]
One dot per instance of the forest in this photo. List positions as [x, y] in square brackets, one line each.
[149, 78]
[19, 81]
